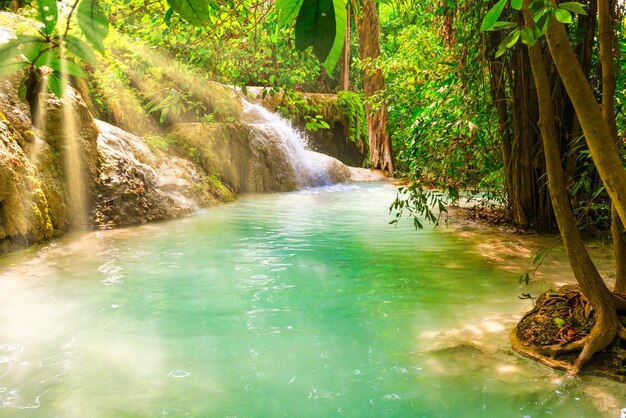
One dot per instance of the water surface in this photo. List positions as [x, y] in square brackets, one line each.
[306, 304]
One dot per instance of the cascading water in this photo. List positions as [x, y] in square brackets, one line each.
[309, 170]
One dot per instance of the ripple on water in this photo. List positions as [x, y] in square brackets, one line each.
[300, 304]
[179, 374]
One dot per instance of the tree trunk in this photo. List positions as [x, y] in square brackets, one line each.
[345, 62]
[606, 38]
[381, 155]
[498, 96]
[595, 128]
[590, 281]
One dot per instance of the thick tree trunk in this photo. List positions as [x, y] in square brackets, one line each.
[606, 38]
[590, 281]
[345, 62]
[595, 128]
[381, 155]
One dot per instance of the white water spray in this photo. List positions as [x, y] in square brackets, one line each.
[308, 170]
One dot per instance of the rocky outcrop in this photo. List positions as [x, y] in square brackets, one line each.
[32, 204]
[138, 183]
[67, 163]
[244, 161]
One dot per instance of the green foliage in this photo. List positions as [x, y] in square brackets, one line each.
[320, 24]
[172, 101]
[352, 110]
[295, 105]
[542, 12]
[48, 15]
[416, 202]
[195, 12]
[51, 46]
[93, 23]
[492, 16]
[252, 48]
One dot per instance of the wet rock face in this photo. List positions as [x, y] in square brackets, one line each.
[56, 131]
[32, 205]
[335, 141]
[246, 161]
[138, 184]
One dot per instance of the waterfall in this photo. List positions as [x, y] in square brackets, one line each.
[309, 169]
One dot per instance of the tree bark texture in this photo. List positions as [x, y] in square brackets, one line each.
[345, 62]
[606, 38]
[590, 281]
[597, 132]
[381, 155]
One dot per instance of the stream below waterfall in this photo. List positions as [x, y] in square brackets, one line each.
[305, 304]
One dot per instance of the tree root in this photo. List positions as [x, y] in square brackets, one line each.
[605, 329]
[620, 302]
[553, 351]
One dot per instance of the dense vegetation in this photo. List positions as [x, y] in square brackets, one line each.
[496, 100]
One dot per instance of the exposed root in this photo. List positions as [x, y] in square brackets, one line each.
[619, 299]
[553, 351]
[563, 323]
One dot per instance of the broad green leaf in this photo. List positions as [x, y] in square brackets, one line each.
[168, 16]
[57, 84]
[10, 67]
[573, 7]
[541, 27]
[45, 57]
[340, 33]
[79, 48]
[48, 15]
[516, 4]
[15, 46]
[195, 12]
[287, 11]
[563, 16]
[511, 39]
[559, 322]
[32, 50]
[527, 36]
[316, 27]
[63, 66]
[503, 25]
[493, 15]
[501, 50]
[536, 6]
[93, 22]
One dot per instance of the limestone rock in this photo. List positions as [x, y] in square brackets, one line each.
[32, 204]
[138, 184]
[241, 159]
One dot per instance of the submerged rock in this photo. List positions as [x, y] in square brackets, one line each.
[336, 171]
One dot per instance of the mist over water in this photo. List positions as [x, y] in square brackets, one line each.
[304, 304]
